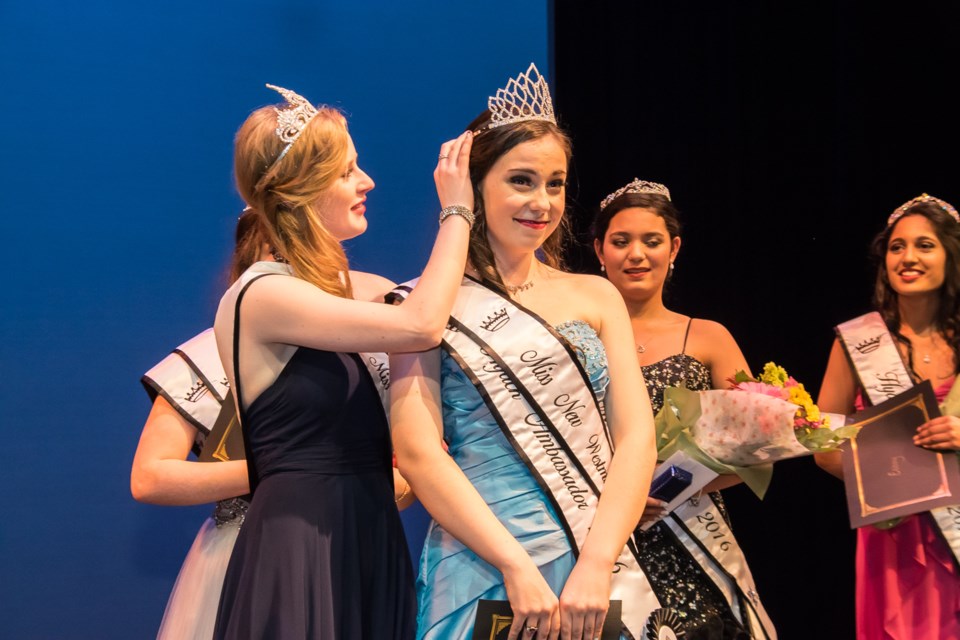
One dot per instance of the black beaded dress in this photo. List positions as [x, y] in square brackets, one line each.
[679, 582]
[322, 554]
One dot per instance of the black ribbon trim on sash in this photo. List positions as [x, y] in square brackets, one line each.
[741, 596]
[564, 343]
[200, 374]
[516, 445]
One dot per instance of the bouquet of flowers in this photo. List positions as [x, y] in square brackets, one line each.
[746, 428]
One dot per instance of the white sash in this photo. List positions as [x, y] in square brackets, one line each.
[883, 375]
[535, 388]
[192, 380]
[697, 523]
[875, 357]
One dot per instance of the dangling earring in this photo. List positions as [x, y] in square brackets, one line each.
[603, 268]
[671, 267]
[277, 256]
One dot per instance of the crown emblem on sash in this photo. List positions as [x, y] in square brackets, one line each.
[869, 345]
[197, 391]
[496, 320]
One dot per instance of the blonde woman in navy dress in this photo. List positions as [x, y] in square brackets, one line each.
[322, 554]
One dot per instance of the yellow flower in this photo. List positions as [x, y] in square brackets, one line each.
[799, 395]
[813, 412]
[774, 375]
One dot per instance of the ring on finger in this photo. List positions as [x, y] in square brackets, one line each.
[531, 629]
[443, 156]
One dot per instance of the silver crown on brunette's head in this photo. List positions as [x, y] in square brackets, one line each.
[292, 120]
[943, 204]
[526, 97]
[637, 186]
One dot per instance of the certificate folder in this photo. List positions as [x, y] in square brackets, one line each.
[886, 475]
[494, 618]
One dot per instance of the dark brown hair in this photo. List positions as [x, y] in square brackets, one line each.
[488, 146]
[655, 202]
[885, 299]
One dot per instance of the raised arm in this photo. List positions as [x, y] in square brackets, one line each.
[292, 311]
[837, 394]
[449, 496]
[586, 594]
[161, 474]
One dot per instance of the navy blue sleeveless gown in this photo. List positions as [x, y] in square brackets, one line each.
[322, 553]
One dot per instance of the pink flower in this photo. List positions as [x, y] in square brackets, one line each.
[765, 389]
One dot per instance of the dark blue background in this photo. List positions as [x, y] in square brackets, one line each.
[117, 209]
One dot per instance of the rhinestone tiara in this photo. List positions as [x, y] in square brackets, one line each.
[637, 186]
[526, 97]
[291, 120]
[943, 204]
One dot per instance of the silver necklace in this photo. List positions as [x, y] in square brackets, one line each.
[641, 348]
[520, 287]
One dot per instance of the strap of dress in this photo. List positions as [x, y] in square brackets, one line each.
[683, 350]
[254, 478]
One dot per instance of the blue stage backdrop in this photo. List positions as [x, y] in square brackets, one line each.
[118, 207]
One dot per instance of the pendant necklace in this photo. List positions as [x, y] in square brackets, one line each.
[642, 348]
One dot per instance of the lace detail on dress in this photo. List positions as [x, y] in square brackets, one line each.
[232, 511]
[679, 582]
[590, 352]
[678, 370]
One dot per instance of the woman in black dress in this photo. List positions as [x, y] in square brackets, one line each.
[322, 553]
[704, 592]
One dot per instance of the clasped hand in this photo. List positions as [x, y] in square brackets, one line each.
[577, 615]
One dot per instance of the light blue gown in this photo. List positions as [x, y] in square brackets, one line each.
[452, 578]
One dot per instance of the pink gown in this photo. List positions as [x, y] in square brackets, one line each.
[908, 584]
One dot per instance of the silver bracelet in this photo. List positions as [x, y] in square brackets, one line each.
[457, 210]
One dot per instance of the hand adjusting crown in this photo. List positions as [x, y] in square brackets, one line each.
[637, 186]
[292, 120]
[526, 97]
[943, 204]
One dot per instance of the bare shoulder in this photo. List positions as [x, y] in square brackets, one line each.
[370, 286]
[711, 343]
[585, 286]
[709, 330]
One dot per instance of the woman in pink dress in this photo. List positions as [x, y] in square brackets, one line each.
[908, 580]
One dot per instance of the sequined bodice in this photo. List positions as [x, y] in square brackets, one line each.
[680, 370]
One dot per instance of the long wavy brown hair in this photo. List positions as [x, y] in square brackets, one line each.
[488, 146]
[885, 299]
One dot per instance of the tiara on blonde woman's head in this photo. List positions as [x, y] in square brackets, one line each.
[526, 97]
[637, 186]
[291, 120]
[902, 209]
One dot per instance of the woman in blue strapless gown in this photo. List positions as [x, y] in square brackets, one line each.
[322, 554]
[451, 578]
[496, 533]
